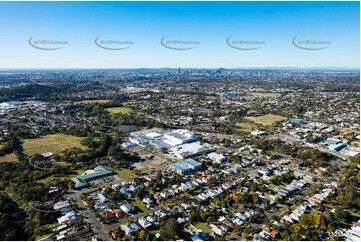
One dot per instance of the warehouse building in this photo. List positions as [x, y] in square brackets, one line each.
[185, 167]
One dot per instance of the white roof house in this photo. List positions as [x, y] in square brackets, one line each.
[127, 207]
[60, 205]
[217, 230]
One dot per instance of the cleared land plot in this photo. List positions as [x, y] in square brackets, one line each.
[266, 120]
[244, 127]
[8, 158]
[93, 101]
[154, 163]
[264, 94]
[51, 143]
[122, 110]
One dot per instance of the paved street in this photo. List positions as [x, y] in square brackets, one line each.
[88, 215]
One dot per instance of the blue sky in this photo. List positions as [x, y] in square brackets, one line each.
[209, 23]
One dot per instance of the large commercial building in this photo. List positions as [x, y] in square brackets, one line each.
[181, 143]
[163, 138]
[186, 166]
[190, 150]
[179, 137]
[97, 172]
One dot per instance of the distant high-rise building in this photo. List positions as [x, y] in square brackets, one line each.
[179, 71]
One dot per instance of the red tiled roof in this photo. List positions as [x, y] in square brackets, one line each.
[273, 233]
[148, 178]
[72, 221]
[115, 233]
[108, 215]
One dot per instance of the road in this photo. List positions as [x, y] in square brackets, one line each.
[85, 212]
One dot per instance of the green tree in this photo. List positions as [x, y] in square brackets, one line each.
[170, 229]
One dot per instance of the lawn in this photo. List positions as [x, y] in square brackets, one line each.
[244, 127]
[264, 94]
[266, 120]
[93, 101]
[122, 110]
[51, 143]
[8, 158]
[203, 227]
[138, 203]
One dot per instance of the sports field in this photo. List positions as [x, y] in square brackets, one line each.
[51, 143]
[267, 120]
[122, 110]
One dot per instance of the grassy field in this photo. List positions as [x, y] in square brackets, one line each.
[51, 143]
[203, 226]
[266, 120]
[264, 94]
[244, 127]
[124, 173]
[47, 180]
[8, 158]
[93, 101]
[122, 110]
